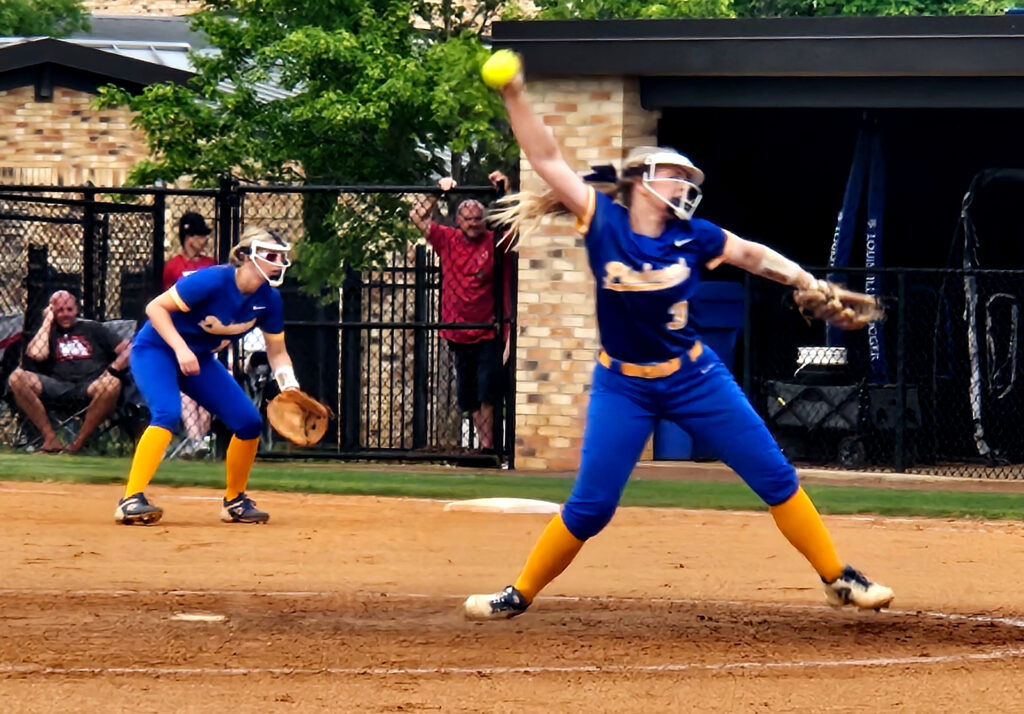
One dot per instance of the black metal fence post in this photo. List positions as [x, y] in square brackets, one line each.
[228, 216]
[159, 241]
[100, 281]
[900, 464]
[88, 253]
[498, 414]
[420, 368]
[510, 368]
[351, 357]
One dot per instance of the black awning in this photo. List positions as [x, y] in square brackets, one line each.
[979, 46]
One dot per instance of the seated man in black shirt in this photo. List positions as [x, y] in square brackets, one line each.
[78, 361]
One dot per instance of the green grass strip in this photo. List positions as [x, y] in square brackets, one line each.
[344, 478]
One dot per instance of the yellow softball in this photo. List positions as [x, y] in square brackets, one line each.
[500, 68]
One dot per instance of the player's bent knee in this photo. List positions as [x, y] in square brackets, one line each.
[777, 494]
[166, 418]
[775, 487]
[250, 426]
[586, 520]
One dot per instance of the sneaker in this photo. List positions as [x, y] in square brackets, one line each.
[136, 509]
[193, 449]
[242, 509]
[508, 603]
[852, 588]
[199, 448]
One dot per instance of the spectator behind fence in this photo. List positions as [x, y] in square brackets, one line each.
[466, 254]
[193, 234]
[78, 362]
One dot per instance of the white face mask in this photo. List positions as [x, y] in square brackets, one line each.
[274, 256]
[683, 206]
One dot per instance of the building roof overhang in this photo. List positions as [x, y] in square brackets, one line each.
[838, 61]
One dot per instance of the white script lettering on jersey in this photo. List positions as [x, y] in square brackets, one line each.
[620, 277]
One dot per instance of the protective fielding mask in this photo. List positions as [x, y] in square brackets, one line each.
[269, 257]
[683, 206]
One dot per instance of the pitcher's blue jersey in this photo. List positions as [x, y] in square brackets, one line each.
[644, 283]
[213, 309]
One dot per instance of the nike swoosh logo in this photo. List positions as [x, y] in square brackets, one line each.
[684, 241]
[259, 307]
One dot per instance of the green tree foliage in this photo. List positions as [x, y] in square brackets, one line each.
[357, 95]
[631, 9]
[37, 18]
[824, 8]
[642, 9]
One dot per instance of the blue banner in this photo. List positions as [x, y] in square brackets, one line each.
[867, 174]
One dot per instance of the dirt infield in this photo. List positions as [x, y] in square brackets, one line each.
[350, 604]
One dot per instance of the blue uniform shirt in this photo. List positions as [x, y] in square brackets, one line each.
[644, 283]
[213, 309]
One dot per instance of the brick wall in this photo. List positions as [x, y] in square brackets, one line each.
[65, 141]
[595, 121]
[142, 7]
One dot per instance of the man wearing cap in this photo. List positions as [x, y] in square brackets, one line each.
[193, 234]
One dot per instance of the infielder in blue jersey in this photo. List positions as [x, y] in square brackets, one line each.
[175, 351]
[646, 252]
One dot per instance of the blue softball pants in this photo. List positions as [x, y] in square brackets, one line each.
[701, 398]
[159, 379]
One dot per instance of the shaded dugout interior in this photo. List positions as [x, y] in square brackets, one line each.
[770, 109]
[778, 175]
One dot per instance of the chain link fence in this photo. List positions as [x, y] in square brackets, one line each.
[936, 388]
[379, 351]
[105, 248]
[408, 355]
[372, 350]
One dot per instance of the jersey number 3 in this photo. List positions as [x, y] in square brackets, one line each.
[679, 312]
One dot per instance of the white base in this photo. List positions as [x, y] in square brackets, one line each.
[196, 617]
[504, 505]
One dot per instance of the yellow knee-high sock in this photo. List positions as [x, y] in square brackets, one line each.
[238, 464]
[551, 554]
[799, 521]
[148, 454]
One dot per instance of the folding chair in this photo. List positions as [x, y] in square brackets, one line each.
[129, 416]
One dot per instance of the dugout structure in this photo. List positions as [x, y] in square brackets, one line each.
[771, 110]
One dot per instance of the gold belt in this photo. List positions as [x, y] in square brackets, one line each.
[649, 371]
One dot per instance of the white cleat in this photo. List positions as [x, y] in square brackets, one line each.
[853, 588]
[495, 606]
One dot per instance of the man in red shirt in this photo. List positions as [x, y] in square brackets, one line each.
[193, 234]
[466, 253]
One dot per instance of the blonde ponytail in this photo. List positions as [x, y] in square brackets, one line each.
[520, 214]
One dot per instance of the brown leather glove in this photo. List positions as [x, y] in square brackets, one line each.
[298, 417]
[846, 309]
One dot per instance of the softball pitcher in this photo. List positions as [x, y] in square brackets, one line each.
[175, 350]
[646, 253]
